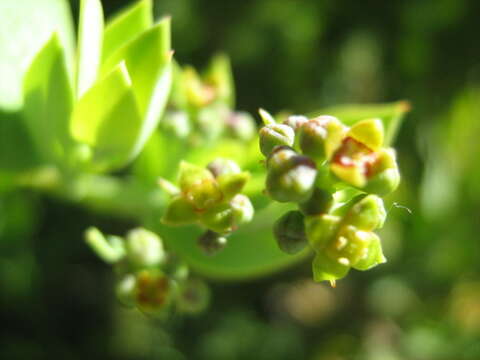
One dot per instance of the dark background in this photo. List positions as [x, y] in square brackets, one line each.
[57, 299]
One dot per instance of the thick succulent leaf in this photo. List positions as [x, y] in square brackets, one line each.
[148, 60]
[106, 118]
[391, 115]
[48, 101]
[25, 26]
[89, 47]
[251, 251]
[126, 25]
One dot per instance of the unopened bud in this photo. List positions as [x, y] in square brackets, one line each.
[293, 181]
[211, 242]
[177, 123]
[242, 209]
[273, 135]
[321, 136]
[222, 166]
[289, 231]
[144, 248]
[295, 121]
[280, 156]
[125, 290]
[241, 125]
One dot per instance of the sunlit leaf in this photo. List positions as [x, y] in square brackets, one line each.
[25, 26]
[126, 25]
[391, 115]
[107, 119]
[48, 99]
[89, 47]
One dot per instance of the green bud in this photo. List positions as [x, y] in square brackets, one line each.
[144, 248]
[321, 230]
[176, 123]
[373, 255]
[295, 121]
[289, 231]
[222, 166]
[242, 209]
[232, 184]
[350, 245]
[320, 137]
[367, 214]
[125, 290]
[279, 157]
[272, 135]
[211, 242]
[293, 181]
[319, 203]
[327, 269]
[211, 120]
[368, 132]
[179, 212]
[153, 291]
[241, 125]
[193, 296]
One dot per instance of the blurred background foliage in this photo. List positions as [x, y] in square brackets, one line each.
[56, 297]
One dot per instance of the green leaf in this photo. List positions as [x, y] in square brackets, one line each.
[27, 25]
[107, 119]
[148, 60]
[126, 25]
[90, 35]
[48, 101]
[251, 251]
[391, 115]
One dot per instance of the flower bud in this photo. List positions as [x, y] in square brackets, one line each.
[328, 269]
[211, 242]
[179, 212]
[242, 209]
[319, 203]
[193, 296]
[289, 231]
[176, 123]
[295, 121]
[368, 132]
[320, 137]
[272, 135]
[232, 184]
[321, 230]
[144, 248]
[222, 166]
[293, 181]
[211, 121]
[153, 291]
[367, 214]
[280, 156]
[241, 125]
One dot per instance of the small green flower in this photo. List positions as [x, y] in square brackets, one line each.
[153, 291]
[289, 231]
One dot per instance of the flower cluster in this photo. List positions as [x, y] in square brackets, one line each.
[210, 197]
[314, 163]
[148, 278]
